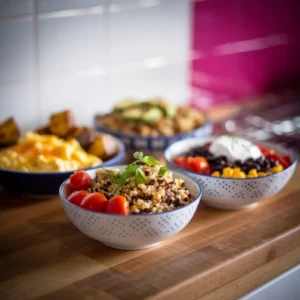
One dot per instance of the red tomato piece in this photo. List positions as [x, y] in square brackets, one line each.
[80, 180]
[180, 161]
[77, 196]
[198, 164]
[288, 159]
[117, 205]
[95, 202]
[69, 189]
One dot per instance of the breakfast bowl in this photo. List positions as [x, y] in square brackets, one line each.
[153, 125]
[131, 231]
[233, 193]
[47, 183]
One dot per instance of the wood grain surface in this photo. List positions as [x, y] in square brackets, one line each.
[219, 255]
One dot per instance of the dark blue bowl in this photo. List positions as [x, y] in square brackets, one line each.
[160, 143]
[47, 182]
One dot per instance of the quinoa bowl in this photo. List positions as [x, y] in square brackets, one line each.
[146, 225]
[236, 192]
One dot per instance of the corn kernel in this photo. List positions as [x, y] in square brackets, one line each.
[277, 169]
[261, 174]
[250, 176]
[236, 170]
[216, 174]
[253, 172]
[269, 173]
[227, 172]
[242, 175]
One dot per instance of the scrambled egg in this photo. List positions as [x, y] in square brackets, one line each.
[46, 153]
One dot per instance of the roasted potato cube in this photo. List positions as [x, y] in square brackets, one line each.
[43, 130]
[103, 146]
[83, 135]
[61, 123]
[9, 132]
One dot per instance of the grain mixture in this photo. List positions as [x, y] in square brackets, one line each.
[157, 194]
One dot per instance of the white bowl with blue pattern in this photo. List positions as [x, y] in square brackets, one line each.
[160, 143]
[136, 231]
[233, 193]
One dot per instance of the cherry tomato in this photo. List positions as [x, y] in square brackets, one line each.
[288, 159]
[117, 205]
[77, 196]
[198, 164]
[95, 202]
[69, 189]
[180, 161]
[80, 180]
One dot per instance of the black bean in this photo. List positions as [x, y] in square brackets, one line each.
[176, 202]
[168, 200]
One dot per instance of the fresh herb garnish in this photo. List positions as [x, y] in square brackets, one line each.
[140, 176]
[162, 171]
[134, 170]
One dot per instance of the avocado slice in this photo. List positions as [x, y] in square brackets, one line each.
[125, 104]
[143, 116]
[168, 110]
[152, 115]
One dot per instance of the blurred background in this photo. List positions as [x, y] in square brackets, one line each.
[237, 59]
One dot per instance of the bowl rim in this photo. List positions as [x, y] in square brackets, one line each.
[113, 160]
[289, 150]
[100, 127]
[199, 195]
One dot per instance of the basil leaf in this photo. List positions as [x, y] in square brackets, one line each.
[138, 155]
[140, 176]
[150, 160]
[162, 171]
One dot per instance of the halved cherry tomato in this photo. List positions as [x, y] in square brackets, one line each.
[117, 205]
[77, 196]
[95, 202]
[288, 159]
[180, 161]
[198, 164]
[80, 180]
[69, 189]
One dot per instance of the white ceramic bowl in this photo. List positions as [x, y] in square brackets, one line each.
[232, 193]
[132, 232]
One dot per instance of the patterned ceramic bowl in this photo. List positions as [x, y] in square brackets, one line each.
[132, 232]
[160, 143]
[232, 193]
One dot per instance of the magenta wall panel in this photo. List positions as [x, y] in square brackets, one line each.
[243, 48]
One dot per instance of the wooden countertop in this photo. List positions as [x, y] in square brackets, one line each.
[219, 255]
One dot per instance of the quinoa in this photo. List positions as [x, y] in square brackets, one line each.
[157, 194]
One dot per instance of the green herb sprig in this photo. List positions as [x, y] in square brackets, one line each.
[134, 170]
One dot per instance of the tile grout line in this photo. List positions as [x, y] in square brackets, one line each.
[36, 83]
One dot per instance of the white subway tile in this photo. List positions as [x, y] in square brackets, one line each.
[11, 8]
[18, 101]
[71, 44]
[52, 5]
[16, 48]
[84, 96]
[169, 82]
[150, 29]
